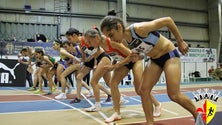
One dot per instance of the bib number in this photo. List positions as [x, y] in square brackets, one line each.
[115, 56]
[89, 51]
[140, 47]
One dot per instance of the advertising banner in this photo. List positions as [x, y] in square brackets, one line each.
[12, 73]
[200, 55]
[13, 48]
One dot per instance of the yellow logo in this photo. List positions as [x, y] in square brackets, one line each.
[208, 111]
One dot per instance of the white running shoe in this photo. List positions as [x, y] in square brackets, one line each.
[93, 108]
[61, 96]
[90, 94]
[114, 117]
[157, 110]
[122, 101]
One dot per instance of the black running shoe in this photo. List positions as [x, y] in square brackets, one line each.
[109, 98]
[49, 93]
[76, 100]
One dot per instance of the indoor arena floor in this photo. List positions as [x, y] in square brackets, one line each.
[21, 107]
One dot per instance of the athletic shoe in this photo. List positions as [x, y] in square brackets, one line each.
[32, 89]
[38, 91]
[114, 117]
[61, 96]
[49, 93]
[93, 108]
[90, 94]
[108, 99]
[76, 100]
[54, 89]
[69, 90]
[157, 110]
[122, 100]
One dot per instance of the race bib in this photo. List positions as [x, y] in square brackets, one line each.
[115, 56]
[139, 46]
[89, 50]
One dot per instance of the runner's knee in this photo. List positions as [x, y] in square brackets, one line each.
[174, 97]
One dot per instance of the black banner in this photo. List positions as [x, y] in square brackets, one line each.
[12, 73]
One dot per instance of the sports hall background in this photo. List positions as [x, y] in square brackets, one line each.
[199, 22]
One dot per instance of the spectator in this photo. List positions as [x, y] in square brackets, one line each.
[217, 73]
[189, 45]
[14, 39]
[41, 38]
[112, 13]
[196, 74]
[211, 70]
[23, 58]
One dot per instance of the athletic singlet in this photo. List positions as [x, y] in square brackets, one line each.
[64, 61]
[51, 59]
[114, 53]
[143, 45]
[62, 57]
[77, 53]
[86, 48]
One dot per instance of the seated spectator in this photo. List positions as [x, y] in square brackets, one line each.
[211, 70]
[189, 45]
[196, 74]
[14, 39]
[217, 73]
[41, 38]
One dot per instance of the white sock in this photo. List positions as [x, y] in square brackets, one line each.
[97, 104]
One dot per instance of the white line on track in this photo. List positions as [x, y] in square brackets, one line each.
[100, 112]
[16, 94]
[25, 101]
[186, 116]
[72, 107]
[141, 112]
[162, 108]
[138, 100]
[5, 113]
[170, 111]
[184, 90]
[155, 92]
[157, 120]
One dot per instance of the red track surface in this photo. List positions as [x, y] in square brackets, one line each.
[178, 121]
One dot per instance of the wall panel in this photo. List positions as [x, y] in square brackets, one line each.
[193, 33]
[14, 4]
[156, 12]
[186, 4]
[182, 11]
[89, 7]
